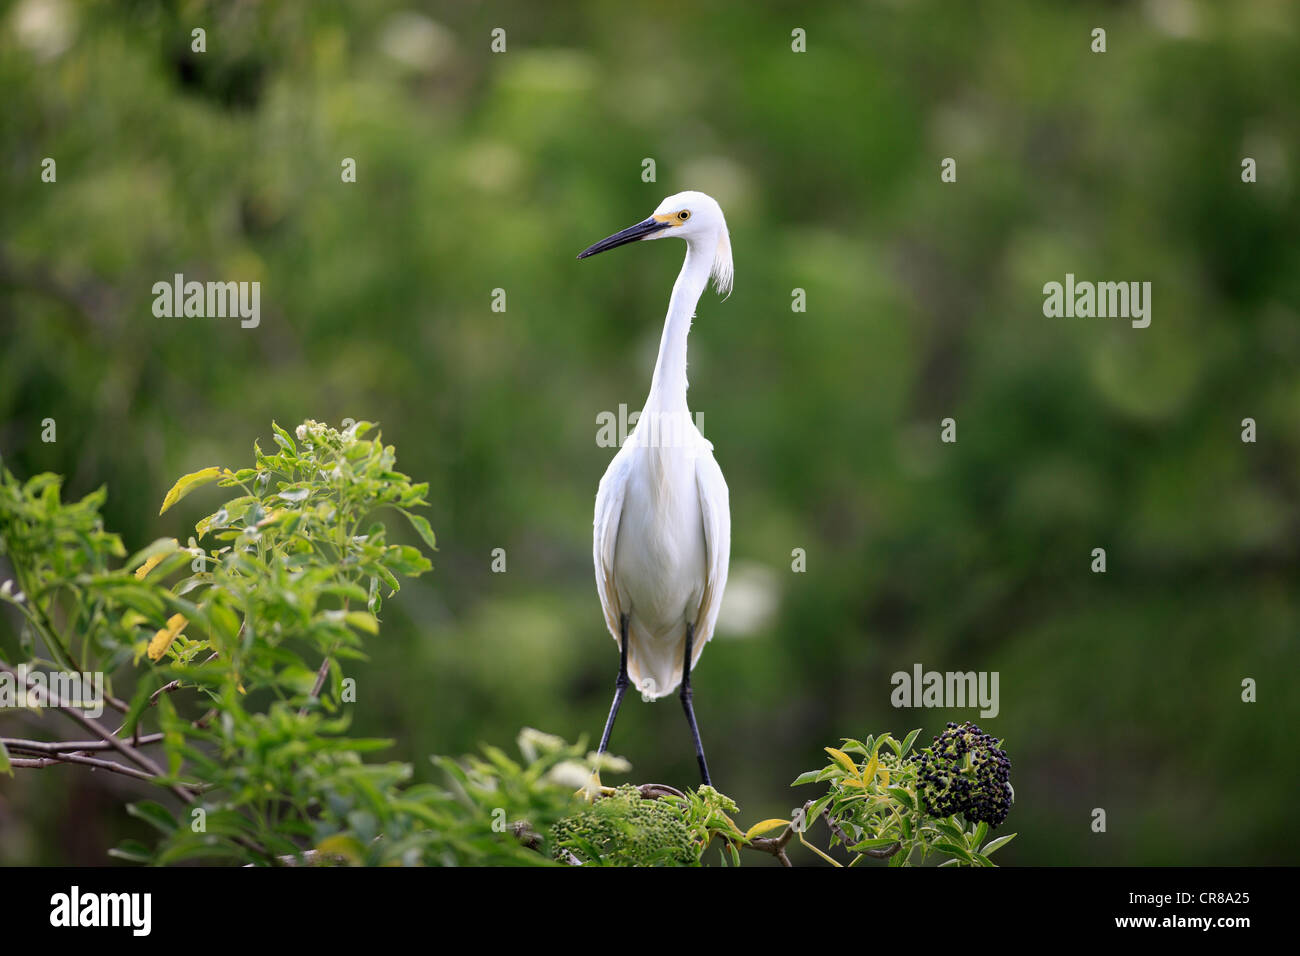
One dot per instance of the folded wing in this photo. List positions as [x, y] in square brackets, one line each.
[715, 512]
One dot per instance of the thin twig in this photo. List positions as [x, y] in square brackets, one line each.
[70, 746]
[126, 750]
[51, 760]
[652, 791]
[173, 685]
[835, 827]
[883, 852]
[321, 673]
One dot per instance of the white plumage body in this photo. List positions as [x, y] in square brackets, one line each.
[665, 564]
[662, 533]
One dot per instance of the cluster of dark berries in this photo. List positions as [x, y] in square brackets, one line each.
[965, 772]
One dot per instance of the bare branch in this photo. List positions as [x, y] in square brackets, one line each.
[835, 827]
[70, 746]
[52, 760]
[126, 750]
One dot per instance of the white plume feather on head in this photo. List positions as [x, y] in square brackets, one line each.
[723, 272]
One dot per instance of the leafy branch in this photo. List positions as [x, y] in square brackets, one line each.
[230, 656]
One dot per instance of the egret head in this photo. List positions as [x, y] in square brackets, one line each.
[688, 215]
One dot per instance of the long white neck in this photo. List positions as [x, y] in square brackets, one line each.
[668, 387]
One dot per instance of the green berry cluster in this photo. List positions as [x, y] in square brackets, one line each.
[965, 772]
[625, 829]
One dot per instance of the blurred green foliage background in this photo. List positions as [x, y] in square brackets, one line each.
[478, 171]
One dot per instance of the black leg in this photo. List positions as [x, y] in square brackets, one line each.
[620, 686]
[690, 711]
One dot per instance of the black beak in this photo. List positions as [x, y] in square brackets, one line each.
[630, 234]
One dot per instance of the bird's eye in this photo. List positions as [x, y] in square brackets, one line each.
[684, 215]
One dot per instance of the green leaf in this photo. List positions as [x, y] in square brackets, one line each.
[344, 589]
[5, 765]
[873, 844]
[143, 690]
[949, 847]
[363, 620]
[809, 776]
[499, 758]
[133, 851]
[298, 679]
[387, 577]
[224, 621]
[405, 560]
[950, 829]
[816, 809]
[908, 741]
[138, 598]
[844, 760]
[154, 814]
[283, 440]
[159, 548]
[765, 826]
[175, 737]
[869, 774]
[903, 796]
[188, 483]
[997, 844]
[422, 528]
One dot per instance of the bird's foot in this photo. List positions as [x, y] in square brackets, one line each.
[592, 790]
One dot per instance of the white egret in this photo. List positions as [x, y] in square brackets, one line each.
[662, 534]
